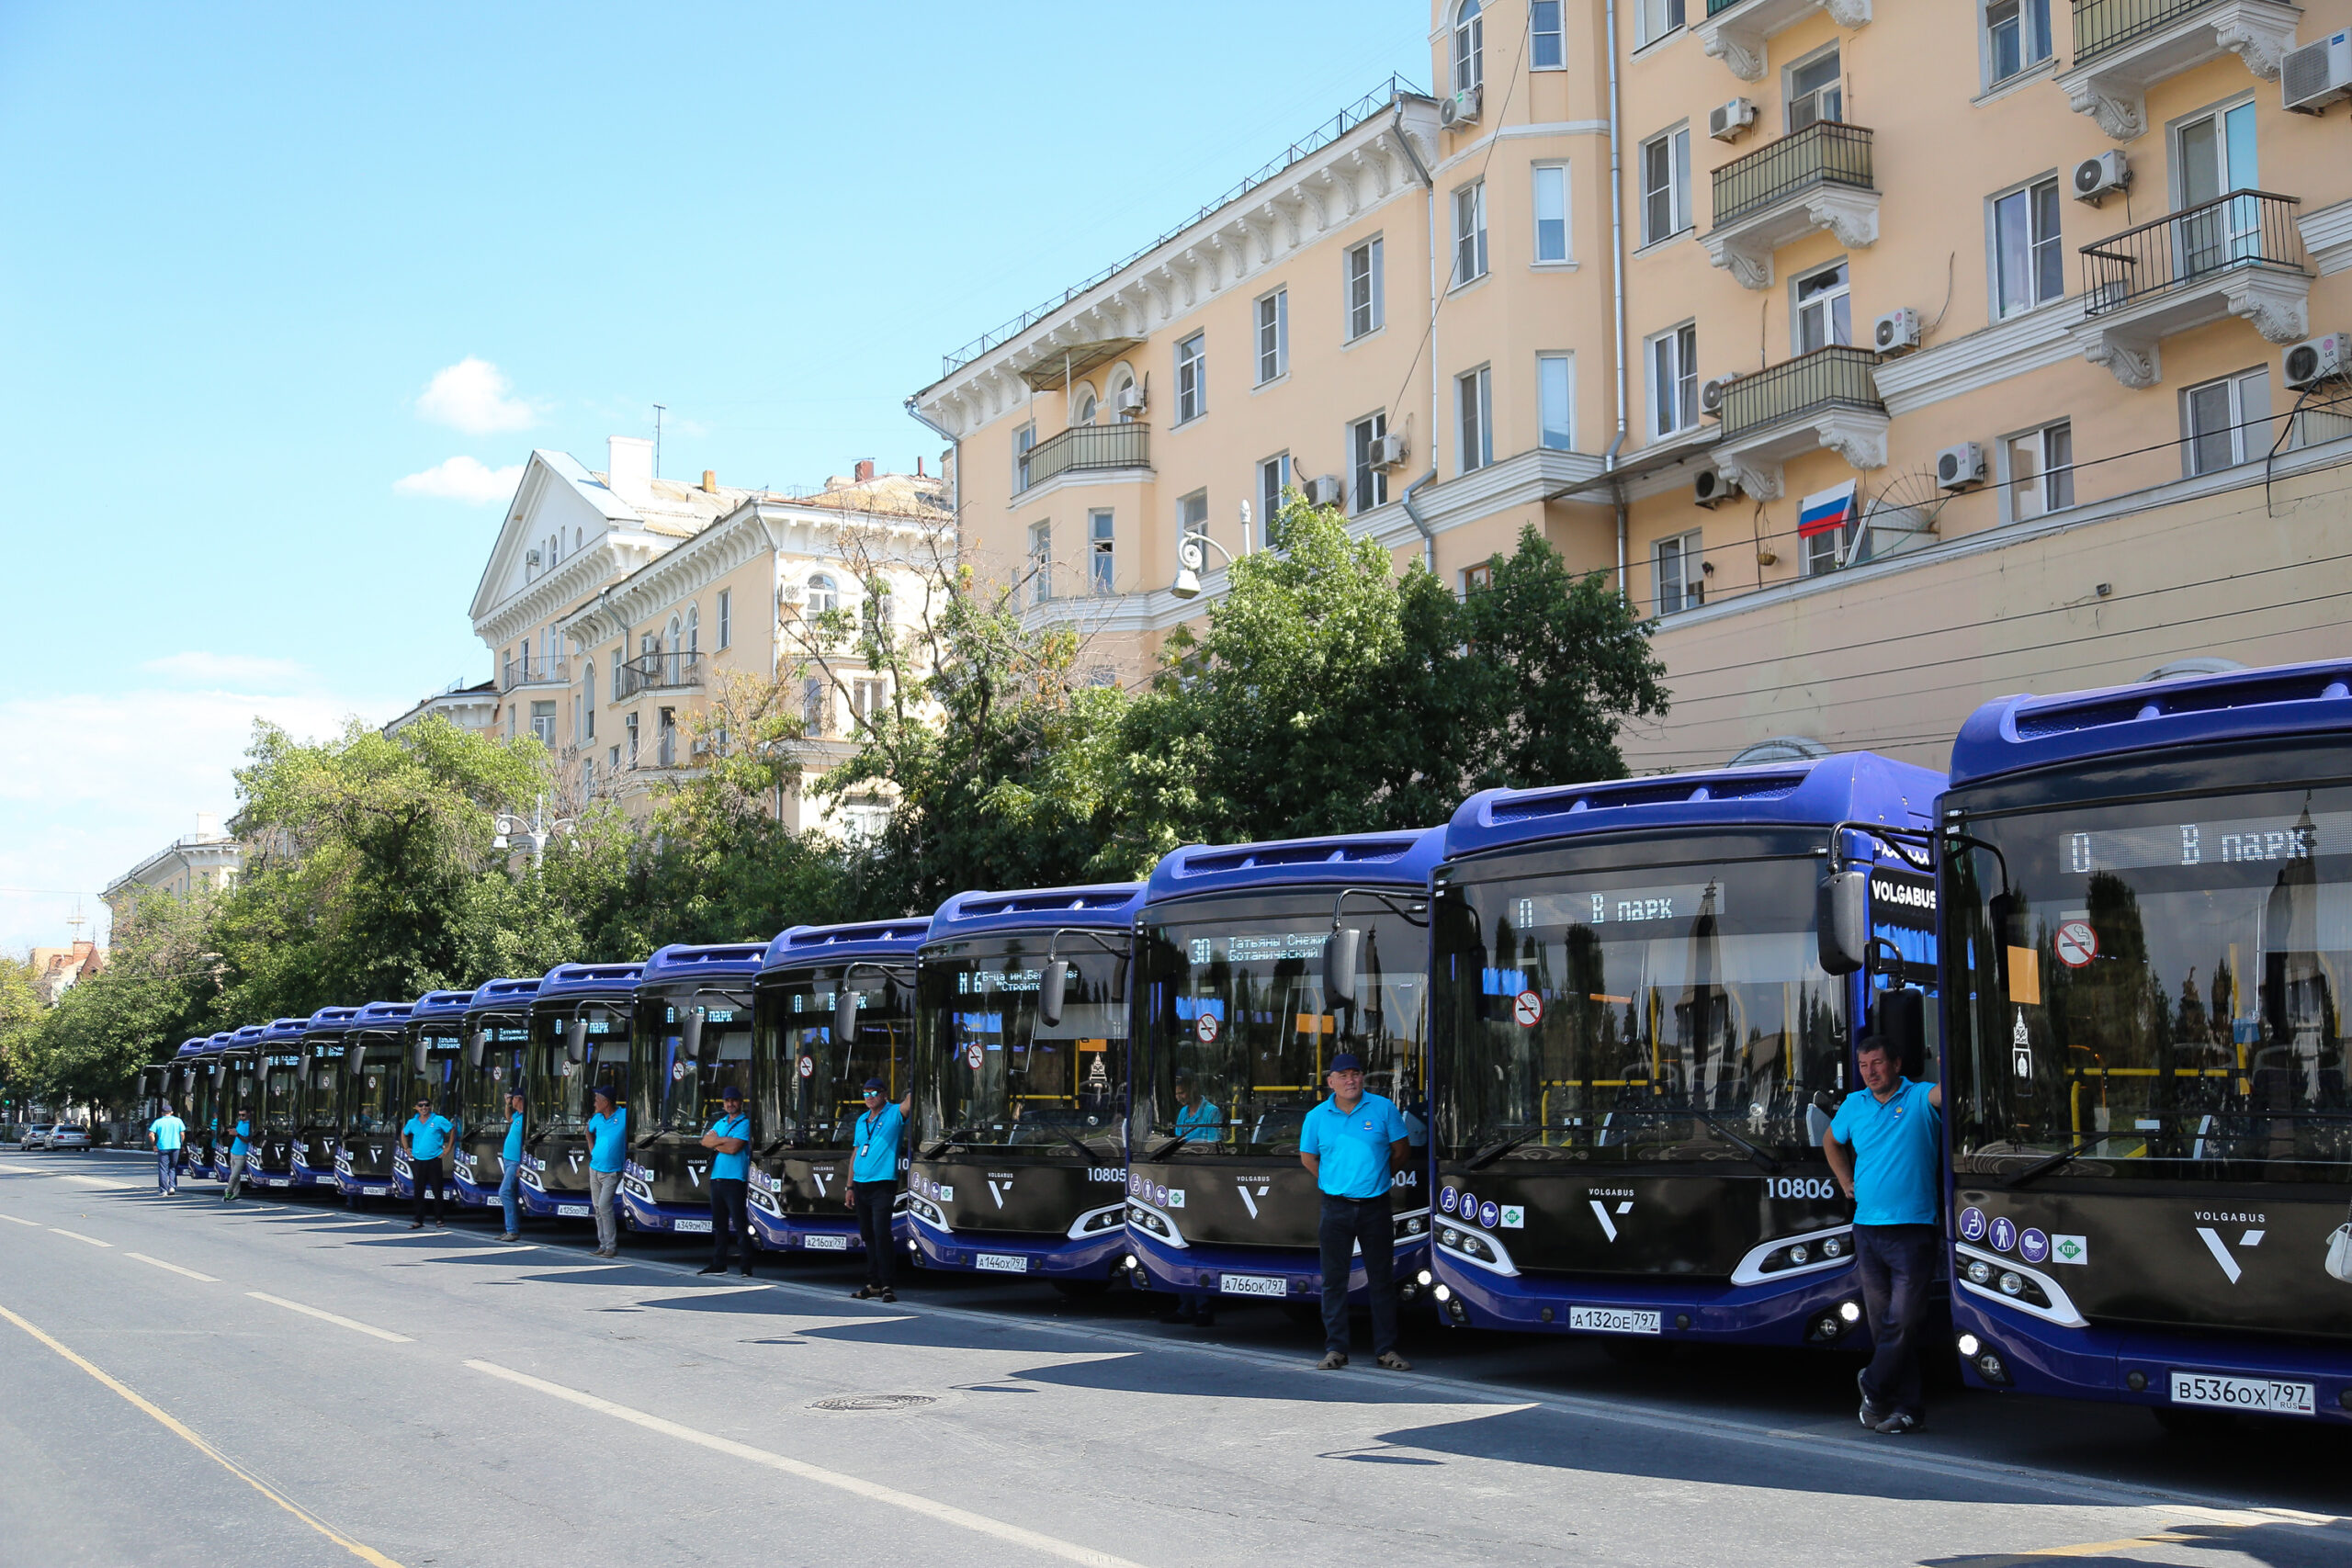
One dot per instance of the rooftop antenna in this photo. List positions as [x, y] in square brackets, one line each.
[77, 919]
[658, 410]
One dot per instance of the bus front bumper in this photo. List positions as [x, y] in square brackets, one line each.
[996, 1252]
[1821, 1309]
[1260, 1273]
[2005, 1348]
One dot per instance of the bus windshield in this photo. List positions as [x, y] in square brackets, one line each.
[322, 1065]
[281, 1075]
[502, 1034]
[569, 1087]
[818, 1090]
[1633, 1013]
[1241, 1030]
[2150, 991]
[372, 1099]
[443, 1053]
[996, 1075]
[677, 1093]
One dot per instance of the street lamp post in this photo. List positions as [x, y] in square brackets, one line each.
[534, 829]
[1191, 559]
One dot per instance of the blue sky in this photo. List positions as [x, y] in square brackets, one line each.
[261, 265]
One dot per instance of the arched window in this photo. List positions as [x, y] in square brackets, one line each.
[1122, 378]
[824, 593]
[1469, 47]
[694, 628]
[670, 637]
[1081, 405]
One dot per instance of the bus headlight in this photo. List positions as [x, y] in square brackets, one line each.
[1969, 1346]
[2011, 1283]
[1980, 1271]
[1444, 1293]
[1851, 1311]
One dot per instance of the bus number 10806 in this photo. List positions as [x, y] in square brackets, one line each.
[1811, 1187]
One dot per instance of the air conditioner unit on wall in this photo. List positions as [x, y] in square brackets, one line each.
[2319, 359]
[1713, 488]
[1897, 331]
[2315, 75]
[1957, 468]
[2098, 178]
[1325, 490]
[1711, 394]
[1128, 400]
[1461, 109]
[1388, 453]
[1729, 122]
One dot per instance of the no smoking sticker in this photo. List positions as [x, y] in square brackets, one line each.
[2077, 943]
[808, 1065]
[1205, 1027]
[677, 1070]
[1527, 1009]
[972, 1055]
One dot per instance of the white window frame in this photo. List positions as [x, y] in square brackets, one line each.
[1361, 318]
[1041, 561]
[1469, 232]
[1537, 33]
[1191, 378]
[2248, 432]
[1679, 368]
[1789, 98]
[1676, 139]
[1828, 301]
[1271, 333]
[1656, 19]
[1557, 172]
[1474, 418]
[1555, 402]
[823, 593]
[1367, 486]
[1193, 513]
[2025, 195]
[1686, 588]
[2051, 486]
[2031, 15]
[1469, 54]
[1275, 476]
[1025, 441]
[726, 618]
[1103, 551]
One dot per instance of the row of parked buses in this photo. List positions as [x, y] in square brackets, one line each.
[1616, 1016]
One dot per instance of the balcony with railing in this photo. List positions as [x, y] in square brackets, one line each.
[1734, 31]
[1819, 177]
[529, 670]
[657, 672]
[1126, 444]
[2124, 47]
[2239, 254]
[1826, 400]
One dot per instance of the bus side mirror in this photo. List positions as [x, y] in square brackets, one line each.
[576, 1041]
[416, 1056]
[690, 1036]
[1340, 950]
[1902, 1023]
[474, 1049]
[845, 1017]
[1841, 920]
[1051, 989]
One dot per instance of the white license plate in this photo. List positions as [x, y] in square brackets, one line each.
[1613, 1320]
[702, 1226]
[571, 1211]
[375, 1192]
[999, 1263]
[1253, 1285]
[2270, 1396]
[821, 1243]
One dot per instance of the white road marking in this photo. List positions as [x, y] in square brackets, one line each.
[172, 1267]
[914, 1503]
[14, 1220]
[77, 1236]
[106, 1181]
[351, 1323]
[23, 1169]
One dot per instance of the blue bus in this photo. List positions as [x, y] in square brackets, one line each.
[240, 1096]
[1237, 1019]
[1020, 1085]
[2147, 925]
[580, 1043]
[809, 1062]
[192, 1097]
[496, 1025]
[374, 1076]
[1636, 1045]
[691, 1041]
[276, 1120]
[433, 1058]
[318, 1099]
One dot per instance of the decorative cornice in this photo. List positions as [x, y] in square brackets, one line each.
[2112, 85]
[1737, 36]
[2276, 303]
[2327, 235]
[2019, 346]
[1745, 245]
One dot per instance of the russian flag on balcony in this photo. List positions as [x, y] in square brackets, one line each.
[1825, 510]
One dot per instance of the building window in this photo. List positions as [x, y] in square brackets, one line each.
[1041, 562]
[588, 699]
[1821, 310]
[613, 759]
[2212, 155]
[1656, 19]
[1191, 378]
[824, 593]
[667, 727]
[1816, 90]
[2225, 422]
[1273, 478]
[587, 778]
[1365, 312]
[628, 728]
[1666, 184]
[726, 618]
[1470, 234]
[867, 694]
[2017, 35]
[2040, 471]
[1193, 513]
[1555, 401]
[1369, 486]
[815, 707]
[1474, 405]
[1102, 552]
[1273, 336]
[1082, 406]
[1674, 379]
[1829, 529]
[1469, 47]
[1549, 51]
[1477, 578]
[2027, 268]
[1025, 441]
[1551, 213]
[1679, 574]
[543, 722]
[694, 628]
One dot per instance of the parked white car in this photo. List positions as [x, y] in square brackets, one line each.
[35, 1138]
[65, 1136]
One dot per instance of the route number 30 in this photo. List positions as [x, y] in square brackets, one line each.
[1801, 1187]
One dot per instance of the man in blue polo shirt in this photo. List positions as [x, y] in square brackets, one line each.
[607, 1151]
[241, 1149]
[510, 1167]
[1352, 1143]
[873, 1185]
[1881, 1146]
[425, 1136]
[729, 1141]
[165, 1133]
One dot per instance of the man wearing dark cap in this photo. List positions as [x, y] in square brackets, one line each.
[729, 1141]
[873, 1185]
[1885, 1147]
[1352, 1143]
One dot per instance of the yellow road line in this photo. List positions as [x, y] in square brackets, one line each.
[77, 1236]
[351, 1323]
[946, 1513]
[172, 1267]
[364, 1553]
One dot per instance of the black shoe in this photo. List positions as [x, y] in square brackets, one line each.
[416, 1225]
[888, 1294]
[1870, 1413]
[713, 1269]
[743, 1273]
[1898, 1424]
[864, 1293]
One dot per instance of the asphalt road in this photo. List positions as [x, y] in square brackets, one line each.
[290, 1384]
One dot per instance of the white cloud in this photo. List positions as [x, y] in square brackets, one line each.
[471, 396]
[244, 671]
[462, 479]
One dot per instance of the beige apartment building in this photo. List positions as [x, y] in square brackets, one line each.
[1916, 355]
[207, 860]
[617, 607]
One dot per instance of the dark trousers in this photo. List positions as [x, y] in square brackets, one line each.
[426, 1173]
[731, 1221]
[1897, 1265]
[167, 1170]
[874, 1199]
[1349, 1224]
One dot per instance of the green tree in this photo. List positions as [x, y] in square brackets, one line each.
[161, 984]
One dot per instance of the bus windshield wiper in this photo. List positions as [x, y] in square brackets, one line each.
[1770, 1165]
[1077, 1143]
[943, 1142]
[1496, 1151]
[2048, 1163]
